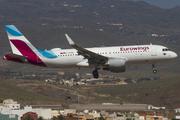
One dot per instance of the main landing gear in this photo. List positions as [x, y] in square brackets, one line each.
[154, 67]
[95, 74]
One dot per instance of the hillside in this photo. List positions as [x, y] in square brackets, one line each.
[86, 13]
[121, 22]
[162, 92]
[90, 14]
[35, 92]
[24, 96]
[92, 23]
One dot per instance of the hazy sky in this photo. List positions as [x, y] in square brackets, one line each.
[162, 3]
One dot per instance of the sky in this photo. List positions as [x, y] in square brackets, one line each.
[165, 4]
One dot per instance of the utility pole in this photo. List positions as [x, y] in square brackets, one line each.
[167, 111]
[78, 106]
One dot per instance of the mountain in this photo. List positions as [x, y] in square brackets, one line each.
[91, 23]
[127, 19]
[144, 3]
[177, 7]
[86, 13]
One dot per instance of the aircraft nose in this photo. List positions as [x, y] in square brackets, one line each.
[174, 55]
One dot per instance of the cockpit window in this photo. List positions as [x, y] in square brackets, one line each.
[165, 49]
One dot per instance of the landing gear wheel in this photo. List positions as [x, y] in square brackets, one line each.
[95, 74]
[154, 71]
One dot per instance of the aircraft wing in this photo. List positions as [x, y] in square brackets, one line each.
[84, 52]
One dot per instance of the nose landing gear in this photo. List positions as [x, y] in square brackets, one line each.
[154, 67]
[154, 71]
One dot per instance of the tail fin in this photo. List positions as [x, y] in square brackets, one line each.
[21, 48]
[19, 44]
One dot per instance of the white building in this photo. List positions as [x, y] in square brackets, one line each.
[86, 111]
[55, 113]
[66, 111]
[45, 113]
[7, 111]
[95, 114]
[177, 117]
[141, 117]
[177, 110]
[10, 103]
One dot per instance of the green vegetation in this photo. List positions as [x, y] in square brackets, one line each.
[24, 96]
[40, 118]
[159, 92]
[59, 117]
[162, 92]
[28, 117]
[101, 117]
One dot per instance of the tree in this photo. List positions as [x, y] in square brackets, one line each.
[70, 115]
[174, 119]
[28, 117]
[60, 117]
[1, 101]
[121, 102]
[40, 118]
[54, 118]
[101, 117]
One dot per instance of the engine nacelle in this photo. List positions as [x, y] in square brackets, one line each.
[116, 65]
[117, 62]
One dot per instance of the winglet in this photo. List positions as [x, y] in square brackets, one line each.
[84, 52]
[71, 42]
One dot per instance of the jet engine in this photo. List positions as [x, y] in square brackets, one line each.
[116, 65]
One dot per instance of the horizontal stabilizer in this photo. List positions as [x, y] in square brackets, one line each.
[15, 55]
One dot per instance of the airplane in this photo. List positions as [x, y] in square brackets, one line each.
[114, 59]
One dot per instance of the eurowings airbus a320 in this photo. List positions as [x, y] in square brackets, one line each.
[113, 59]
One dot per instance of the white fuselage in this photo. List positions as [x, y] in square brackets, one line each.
[141, 54]
[113, 58]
